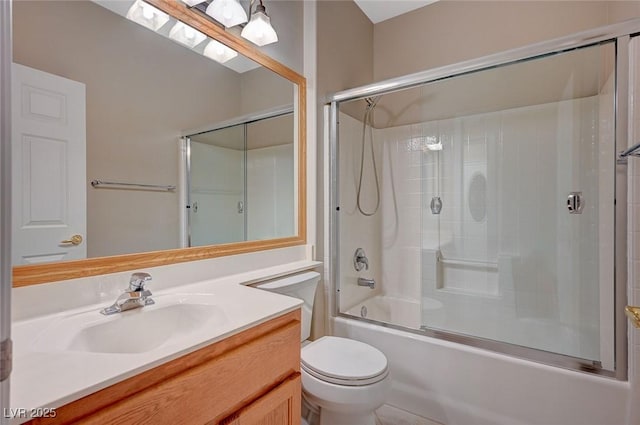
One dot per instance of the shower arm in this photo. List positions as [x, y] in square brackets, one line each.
[632, 151]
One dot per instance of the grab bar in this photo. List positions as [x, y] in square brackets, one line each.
[472, 263]
[632, 151]
[99, 183]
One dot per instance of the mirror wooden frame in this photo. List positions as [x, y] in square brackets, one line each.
[24, 275]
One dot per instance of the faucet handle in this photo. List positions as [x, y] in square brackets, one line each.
[360, 260]
[138, 280]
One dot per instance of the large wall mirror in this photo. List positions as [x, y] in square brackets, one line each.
[132, 150]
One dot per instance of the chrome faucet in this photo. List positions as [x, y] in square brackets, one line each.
[360, 260]
[137, 296]
[366, 282]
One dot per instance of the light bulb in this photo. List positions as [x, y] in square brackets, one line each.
[219, 52]
[227, 12]
[147, 12]
[186, 35]
[259, 30]
[147, 15]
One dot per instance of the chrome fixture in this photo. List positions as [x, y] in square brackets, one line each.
[363, 311]
[137, 296]
[575, 203]
[230, 13]
[632, 151]
[436, 205]
[368, 120]
[366, 282]
[360, 260]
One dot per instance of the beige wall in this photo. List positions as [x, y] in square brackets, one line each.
[344, 60]
[261, 89]
[451, 31]
[288, 21]
[142, 92]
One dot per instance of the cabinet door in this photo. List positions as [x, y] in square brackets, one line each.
[280, 406]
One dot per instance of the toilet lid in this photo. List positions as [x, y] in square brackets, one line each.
[344, 361]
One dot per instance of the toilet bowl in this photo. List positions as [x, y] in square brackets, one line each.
[344, 379]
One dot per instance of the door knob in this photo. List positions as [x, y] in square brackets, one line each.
[74, 240]
[633, 313]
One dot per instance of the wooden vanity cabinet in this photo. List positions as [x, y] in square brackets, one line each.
[252, 378]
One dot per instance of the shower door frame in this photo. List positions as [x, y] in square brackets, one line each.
[620, 34]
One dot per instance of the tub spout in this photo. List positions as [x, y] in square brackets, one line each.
[366, 282]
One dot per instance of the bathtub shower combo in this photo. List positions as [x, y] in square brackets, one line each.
[484, 203]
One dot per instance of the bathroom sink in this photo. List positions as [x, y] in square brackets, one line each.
[172, 318]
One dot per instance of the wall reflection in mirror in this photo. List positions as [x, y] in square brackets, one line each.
[99, 97]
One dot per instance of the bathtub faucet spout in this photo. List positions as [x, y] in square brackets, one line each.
[366, 282]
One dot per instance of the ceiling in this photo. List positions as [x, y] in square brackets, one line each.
[381, 10]
[239, 64]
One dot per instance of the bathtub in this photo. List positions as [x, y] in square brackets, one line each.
[399, 311]
[456, 384]
[476, 319]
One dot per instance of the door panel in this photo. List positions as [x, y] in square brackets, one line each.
[49, 154]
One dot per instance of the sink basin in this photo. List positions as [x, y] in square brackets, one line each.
[172, 318]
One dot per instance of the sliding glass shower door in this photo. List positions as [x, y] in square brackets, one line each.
[497, 210]
[217, 186]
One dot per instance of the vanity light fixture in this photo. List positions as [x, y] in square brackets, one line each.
[228, 12]
[184, 34]
[219, 52]
[147, 15]
[259, 30]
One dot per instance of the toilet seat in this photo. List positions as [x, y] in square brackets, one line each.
[343, 361]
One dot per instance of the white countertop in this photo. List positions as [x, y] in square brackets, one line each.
[47, 376]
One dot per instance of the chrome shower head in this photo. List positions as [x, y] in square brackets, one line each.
[372, 101]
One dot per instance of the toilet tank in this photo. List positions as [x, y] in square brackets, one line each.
[301, 286]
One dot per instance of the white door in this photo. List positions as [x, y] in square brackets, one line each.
[49, 170]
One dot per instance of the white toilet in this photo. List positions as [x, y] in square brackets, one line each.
[345, 379]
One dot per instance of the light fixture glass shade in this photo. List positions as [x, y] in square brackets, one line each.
[228, 12]
[192, 3]
[184, 34]
[259, 30]
[147, 15]
[219, 52]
